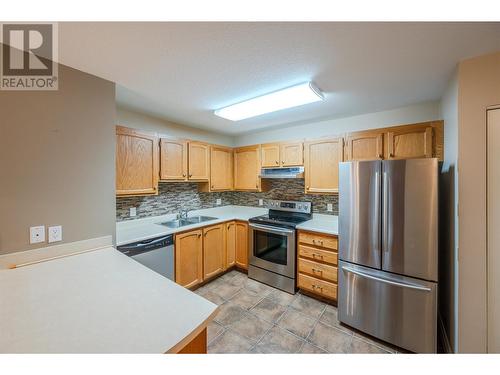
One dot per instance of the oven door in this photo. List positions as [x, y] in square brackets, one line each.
[272, 248]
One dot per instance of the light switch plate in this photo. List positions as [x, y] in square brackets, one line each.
[37, 234]
[55, 233]
[261, 202]
[133, 211]
[329, 207]
[218, 202]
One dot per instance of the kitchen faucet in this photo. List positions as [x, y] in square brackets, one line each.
[183, 214]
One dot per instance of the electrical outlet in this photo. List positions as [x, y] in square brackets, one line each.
[218, 201]
[329, 207]
[133, 211]
[37, 234]
[261, 202]
[55, 233]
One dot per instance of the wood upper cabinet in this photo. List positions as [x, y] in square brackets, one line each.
[241, 244]
[292, 154]
[213, 251]
[367, 145]
[136, 162]
[321, 164]
[173, 159]
[189, 258]
[247, 168]
[221, 168]
[411, 141]
[230, 244]
[198, 161]
[270, 154]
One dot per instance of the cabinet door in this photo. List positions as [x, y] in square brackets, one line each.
[173, 159]
[364, 146]
[213, 250]
[221, 168]
[247, 168]
[136, 162]
[241, 244]
[409, 142]
[198, 160]
[189, 258]
[321, 165]
[292, 154]
[270, 154]
[230, 244]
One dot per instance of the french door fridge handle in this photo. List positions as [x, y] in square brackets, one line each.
[386, 281]
[385, 212]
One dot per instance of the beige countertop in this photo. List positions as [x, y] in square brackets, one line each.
[140, 229]
[96, 302]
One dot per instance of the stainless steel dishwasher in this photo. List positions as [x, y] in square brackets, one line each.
[156, 254]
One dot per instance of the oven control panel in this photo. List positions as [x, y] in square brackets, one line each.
[290, 206]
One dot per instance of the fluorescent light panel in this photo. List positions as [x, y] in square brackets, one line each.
[287, 98]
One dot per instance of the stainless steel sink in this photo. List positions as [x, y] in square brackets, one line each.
[188, 221]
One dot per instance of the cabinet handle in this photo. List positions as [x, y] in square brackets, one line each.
[277, 162]
[282, 162]
[212, 186]
[183, 175]
[190, 175]
[315, 270]
[199, 235]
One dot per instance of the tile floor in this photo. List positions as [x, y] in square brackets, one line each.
[256, 318]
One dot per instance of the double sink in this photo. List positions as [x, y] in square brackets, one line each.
[177, 223]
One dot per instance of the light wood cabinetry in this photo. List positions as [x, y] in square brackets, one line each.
[321, 162]
[221, 168]
[317, 264]
[409, 142]
[270, 154]
[189, 258]
[241, 231]
[213, 251]
[367, 145]
[173, 159]
[198, 161]
[286, 154]
[136, 162]
[230, 244]
[247, 168]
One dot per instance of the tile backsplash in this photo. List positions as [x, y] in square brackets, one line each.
[174, 196]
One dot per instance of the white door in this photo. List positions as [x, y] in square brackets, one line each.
[493, 211]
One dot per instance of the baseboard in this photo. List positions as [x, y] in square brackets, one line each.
[443, 336]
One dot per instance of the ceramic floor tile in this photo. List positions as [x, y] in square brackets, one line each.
[260, 288]
[229, 342]
[226, 291]
[246, 298]
[239, 279]
[330, 339]
[362, 347]
[373, 341]
[212, 297]
[229, 313]
[268, 310]
[251, 327]
[308, 306]
[309, 348]
[283, 298]
[297, 323]
[278, 340]
[214, 329]
[329, 317]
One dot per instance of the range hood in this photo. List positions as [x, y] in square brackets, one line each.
[292, 172]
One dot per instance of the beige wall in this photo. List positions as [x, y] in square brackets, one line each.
[57, 160]
[420, 112]
[138, 120]
[479, 87]
[448, 215]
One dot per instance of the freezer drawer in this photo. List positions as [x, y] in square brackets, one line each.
[397, 309]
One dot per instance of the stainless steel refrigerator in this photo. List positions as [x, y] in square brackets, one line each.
[388, 243]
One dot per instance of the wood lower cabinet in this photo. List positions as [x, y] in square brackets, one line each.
[321, 164]
[136, 162]
[213, 251]
[198, 161]
[292, 154]
[221, 168]
[173, 159]
[368, 145]
[241, 247]
[189, 258]
[247, 168]
[230, 244]
[317, 264]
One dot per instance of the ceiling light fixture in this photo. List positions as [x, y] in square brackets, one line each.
[287, 98]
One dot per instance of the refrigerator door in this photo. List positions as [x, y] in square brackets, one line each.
[359, 210]
[410, 217]
[393, 308]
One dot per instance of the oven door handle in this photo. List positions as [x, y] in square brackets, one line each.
[271, 229]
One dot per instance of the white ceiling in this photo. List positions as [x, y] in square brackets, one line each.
[183, 71]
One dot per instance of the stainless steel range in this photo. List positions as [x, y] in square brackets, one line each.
[272, 243]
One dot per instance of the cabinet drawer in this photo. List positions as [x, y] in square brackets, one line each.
[329, 257]
[319, 287]
[320, 270]
[318, 240]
